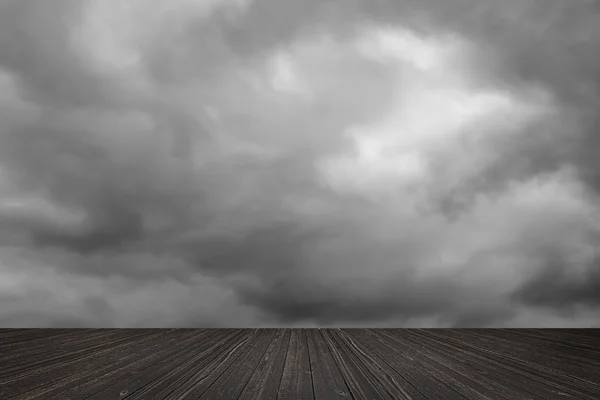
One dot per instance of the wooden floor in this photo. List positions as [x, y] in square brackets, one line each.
[299, 364]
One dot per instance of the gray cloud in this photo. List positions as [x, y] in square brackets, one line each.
[555, 288]
[232, 163]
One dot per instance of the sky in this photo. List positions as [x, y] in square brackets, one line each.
[254, 163]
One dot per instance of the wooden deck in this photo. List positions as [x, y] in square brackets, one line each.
[299, 364]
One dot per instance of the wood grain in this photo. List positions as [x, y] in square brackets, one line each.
[280, 364]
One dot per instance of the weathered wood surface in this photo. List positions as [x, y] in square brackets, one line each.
[300, 364]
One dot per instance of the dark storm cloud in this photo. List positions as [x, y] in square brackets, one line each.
[554, 287]
[92, 311]
[35, 46]
[292, 300]
[194, 167]
[485, 318]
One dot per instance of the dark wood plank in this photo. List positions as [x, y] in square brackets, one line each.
[183, 375]
[105, 370]
[45, 371]
[162, 369]
[264, 382]
[217, 364]
[415, 364]
[528, 375]
[476, 372]
[328, 382]
[25, 337]
[459, 384]
[405, 363]
[231, 383]
[551, 350]
[381, 373]
[361, 383]
[556, 363]
[214, 363]
[296, 380]
[16, 354]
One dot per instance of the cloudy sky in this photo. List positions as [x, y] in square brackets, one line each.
[200, 163]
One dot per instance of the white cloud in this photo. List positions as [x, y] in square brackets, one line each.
[436, 113]
[431, 54]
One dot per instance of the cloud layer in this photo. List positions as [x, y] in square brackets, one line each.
[271, 163]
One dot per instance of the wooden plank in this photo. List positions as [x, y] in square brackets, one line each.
[551, 351]
[296, 380]
[328, 382]
[231, 383]
[360, 381]
[476, 373]
[45, 348]
[134, 365]
[572, 337]
[557, 366]
[392, 382]
[406, 364]
[103, 371]
[415, 364]
[160, 369]
[265, 381]
[45, 371]
[529, 376]
[217, 364]
[488, 367]
[23, 337]
[183, 375]
[442, 370]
